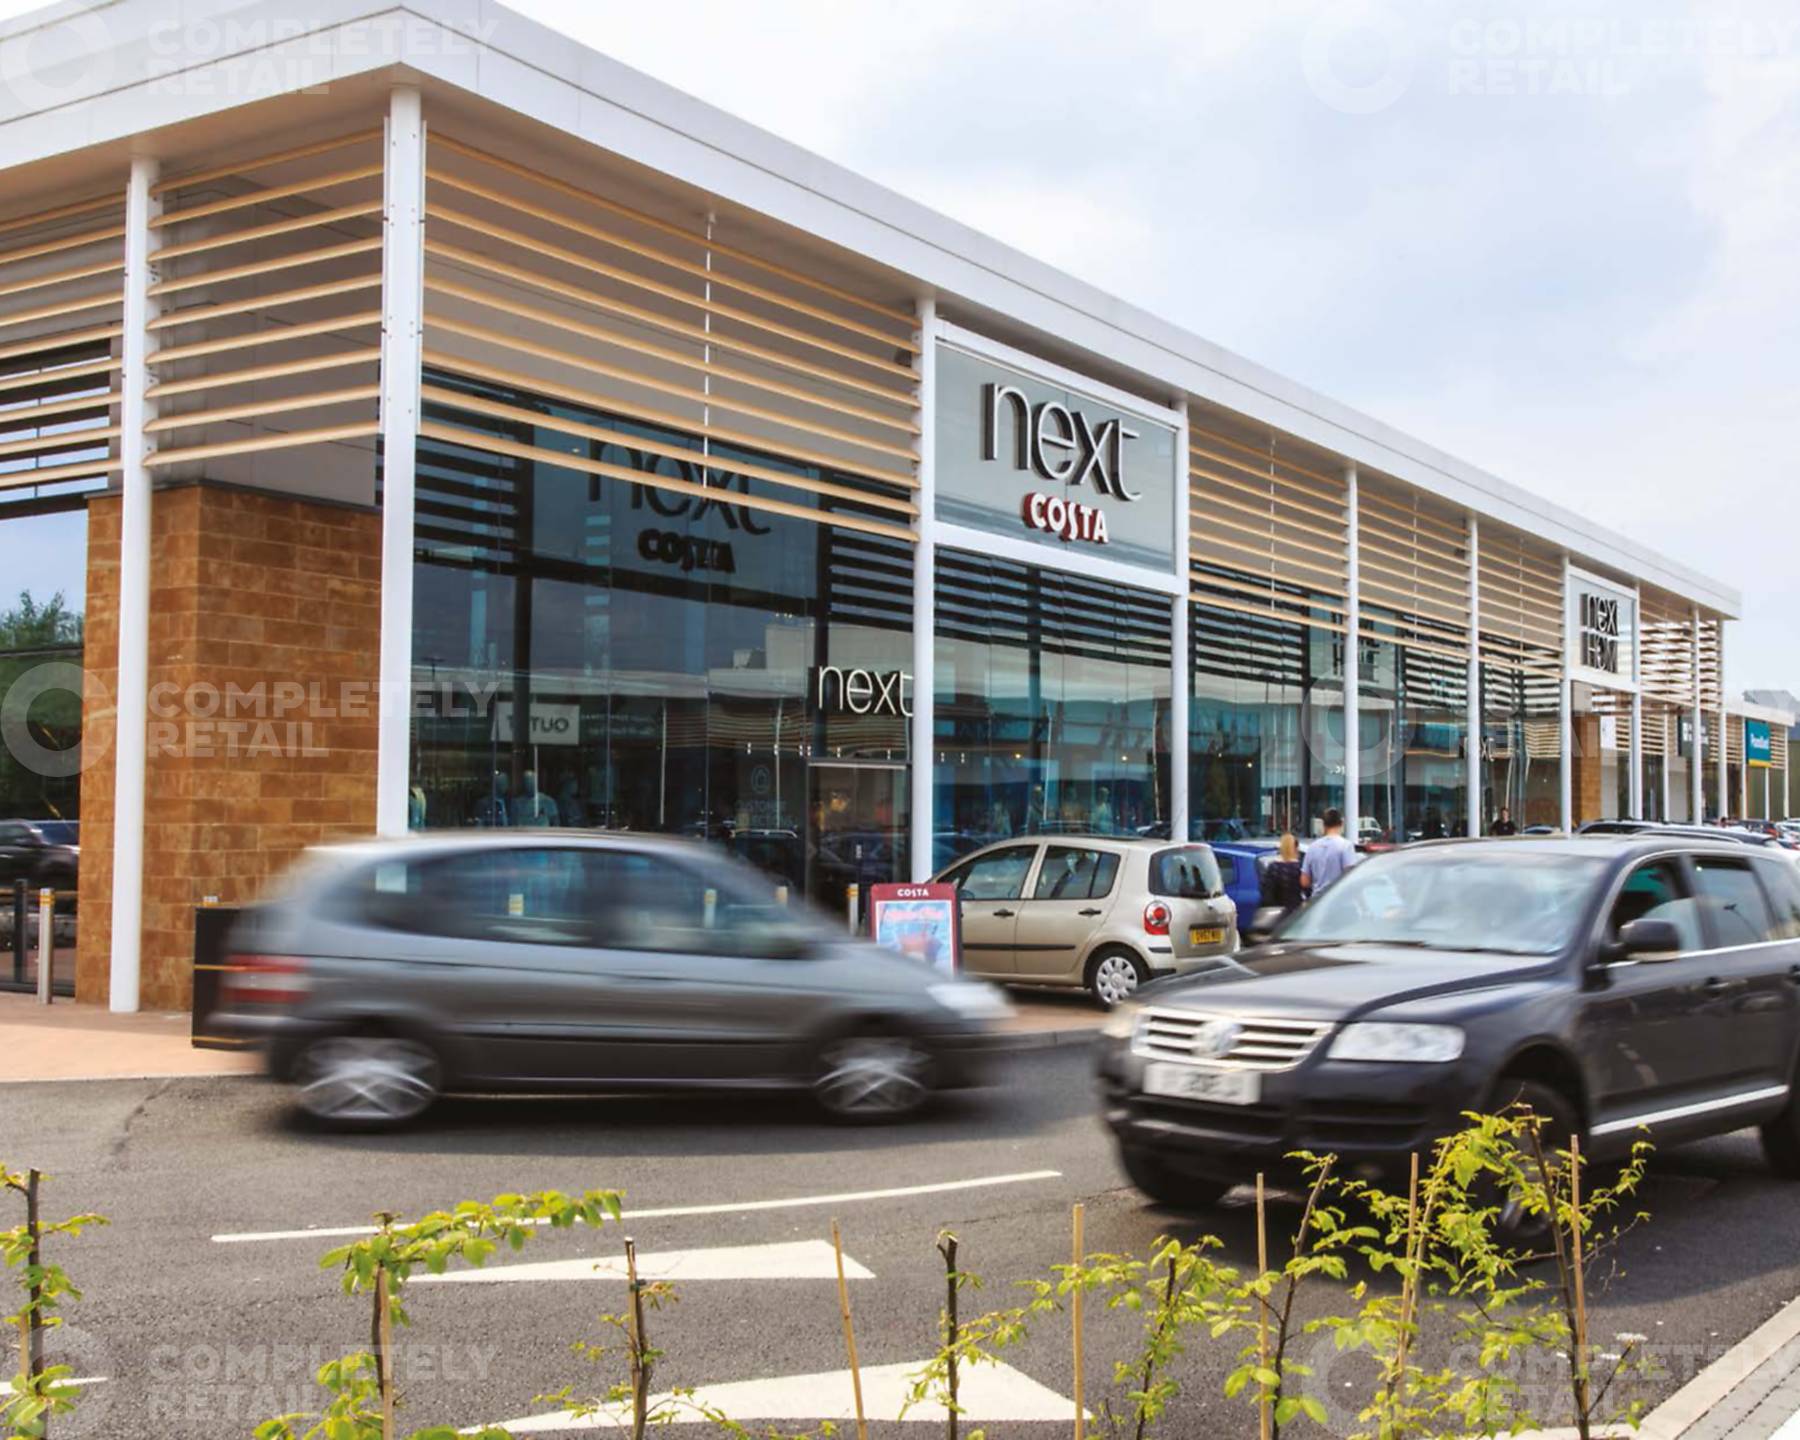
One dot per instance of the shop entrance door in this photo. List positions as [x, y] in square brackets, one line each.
[856, 833]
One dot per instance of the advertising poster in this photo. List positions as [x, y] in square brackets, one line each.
[918, 920]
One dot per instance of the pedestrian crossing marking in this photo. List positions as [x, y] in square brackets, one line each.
[788, 1260]
[986, 1394]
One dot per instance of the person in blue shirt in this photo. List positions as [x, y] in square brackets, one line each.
[1328, 857]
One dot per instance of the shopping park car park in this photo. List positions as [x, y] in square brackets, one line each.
[1612, 983]
[385, 973]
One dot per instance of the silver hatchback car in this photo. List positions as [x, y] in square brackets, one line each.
[384, 973]
[1103, 913]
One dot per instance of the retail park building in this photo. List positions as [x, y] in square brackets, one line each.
[472, 430]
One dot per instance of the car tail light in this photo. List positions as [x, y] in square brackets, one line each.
[1156, 918]
[263, 980]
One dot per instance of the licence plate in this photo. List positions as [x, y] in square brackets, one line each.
[1206, 935]
[1191, 1082]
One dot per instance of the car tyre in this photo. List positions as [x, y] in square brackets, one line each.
[872, 1077]
[1515, 1225]
[366, 1081]
[1168, 1187]
[1114, 975]
[1781, 1140]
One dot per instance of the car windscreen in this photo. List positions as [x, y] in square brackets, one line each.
[1187, 872]
[1495, 900]
[58, 832]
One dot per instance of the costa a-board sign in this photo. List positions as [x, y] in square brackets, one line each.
[923, 921]
[1027, 450]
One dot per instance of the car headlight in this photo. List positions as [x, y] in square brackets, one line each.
[1121, 1021]
[1378, 1040]
[971, 1001]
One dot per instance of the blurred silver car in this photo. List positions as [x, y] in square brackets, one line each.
[1103, 913]
[385, 973]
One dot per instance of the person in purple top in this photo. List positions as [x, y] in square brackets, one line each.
[1327, 857]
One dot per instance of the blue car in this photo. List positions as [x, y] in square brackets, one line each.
[1241, 863]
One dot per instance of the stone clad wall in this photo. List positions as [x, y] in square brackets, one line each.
[264, 653]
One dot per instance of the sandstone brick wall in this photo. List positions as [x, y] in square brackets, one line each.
[253, 591]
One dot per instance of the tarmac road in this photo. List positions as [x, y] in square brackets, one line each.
[194, 1335]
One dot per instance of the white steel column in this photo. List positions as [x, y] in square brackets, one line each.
[133, 681]
[1566, 714]
[924, 616]
[1181, 645]
[1696, 751]
[402, 340]
[1636, 788]
[1671, 735]
[1352, 662]
[1472, 746]
[1723, 746]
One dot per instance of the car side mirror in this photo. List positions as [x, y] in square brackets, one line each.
[1646, 937]
[1262, 924]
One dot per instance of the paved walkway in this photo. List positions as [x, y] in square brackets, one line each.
[69, 1041]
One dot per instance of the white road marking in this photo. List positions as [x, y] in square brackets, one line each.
[7, 1389]
[986, 1394]
[796, 1202]
[792, 1260]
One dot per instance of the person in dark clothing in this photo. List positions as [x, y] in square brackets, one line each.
[1504, 825]
[1281, 878]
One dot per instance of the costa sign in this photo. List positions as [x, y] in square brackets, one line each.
[1069, 519]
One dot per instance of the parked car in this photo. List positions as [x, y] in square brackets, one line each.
[39, 852]
[1613, 985]
[1241, 866]
[385, 973]
[1103, 913]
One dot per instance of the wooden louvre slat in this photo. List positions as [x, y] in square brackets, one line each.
[476, 440]
[596, 401]
[220, 379]
[265, 267]
[271, 336]
[728, 464]
[35, 378]
[1311, 599]
[1338, 518]
[262, 197]
[200, 314]
[67, 242]
[61, 277]
[110, 201]
[655, 320]
[60, 440]
[1241, 607]
[263, 162]
[652, 222]
[1272, 516]
[45, 474]
[61, 308]
[674, 262]
[189, 419]
[312, 220]
[65, 337]
[285, 440]
[31, 414]
[566, 323]
[1330, 484]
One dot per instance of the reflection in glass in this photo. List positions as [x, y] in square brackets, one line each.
[1052, 705]
[1521, 747]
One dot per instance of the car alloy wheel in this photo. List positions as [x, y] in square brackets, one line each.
[372, 1080]
[1116, 976]
[872, 1077]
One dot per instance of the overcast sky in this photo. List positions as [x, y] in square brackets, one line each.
[1561, 241]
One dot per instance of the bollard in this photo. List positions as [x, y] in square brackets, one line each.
[851, 893]
[46, 942]
[20, 911]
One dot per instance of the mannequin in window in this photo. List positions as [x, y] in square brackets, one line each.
[490, 810]
[531, 807]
